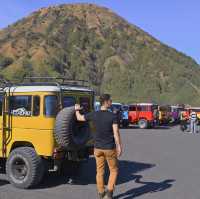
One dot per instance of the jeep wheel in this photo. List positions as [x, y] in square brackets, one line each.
[125, 124]
[143, 124]
[24, 168]
[68, 132]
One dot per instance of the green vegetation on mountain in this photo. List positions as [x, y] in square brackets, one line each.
[84, 41]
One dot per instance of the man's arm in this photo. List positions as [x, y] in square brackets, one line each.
[78, 115]
[117, 138]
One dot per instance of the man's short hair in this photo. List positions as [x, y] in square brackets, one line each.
[103, 98]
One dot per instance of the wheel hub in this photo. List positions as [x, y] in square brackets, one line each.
[19, 169]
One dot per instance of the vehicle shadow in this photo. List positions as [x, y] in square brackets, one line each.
[154, 128]
[147, 187]
[3, 182]
[132, 127]
[87, 174]
[162, 127]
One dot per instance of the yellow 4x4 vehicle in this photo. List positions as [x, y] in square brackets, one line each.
[39, 130]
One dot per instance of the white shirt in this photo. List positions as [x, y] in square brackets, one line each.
[193, 116]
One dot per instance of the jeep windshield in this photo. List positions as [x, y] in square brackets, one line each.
[165, 108]
[125, 108]
[116, 107]
[154, 107]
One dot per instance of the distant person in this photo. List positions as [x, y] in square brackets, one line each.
[156, 116]
[193, 122]
[107, 144]
[184, 122]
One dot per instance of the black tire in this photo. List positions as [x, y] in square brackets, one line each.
[68, 132]
[150, 125]
[24, 168]
[143, 124]
[125, 124]
[173, 121]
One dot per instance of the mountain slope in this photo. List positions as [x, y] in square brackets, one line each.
[84, 41]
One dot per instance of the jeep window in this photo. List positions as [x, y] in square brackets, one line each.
[146, 108]
[125, 108]
[85, 103]
[1, 104]
[132, 108]
[116, 107]
[195, 110]
[51, 105]
[154, 107]
[36, 105]
[140, 108]
[20, 105]
[68, 101]
[164, 108]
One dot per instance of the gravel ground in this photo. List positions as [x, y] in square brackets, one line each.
[158, 163]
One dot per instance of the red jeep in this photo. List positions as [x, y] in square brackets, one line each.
[144, 114]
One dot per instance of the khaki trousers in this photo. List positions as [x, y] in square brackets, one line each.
[103, 156]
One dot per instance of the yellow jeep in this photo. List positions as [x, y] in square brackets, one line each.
[39, 130]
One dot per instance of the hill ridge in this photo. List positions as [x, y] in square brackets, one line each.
[87, 41]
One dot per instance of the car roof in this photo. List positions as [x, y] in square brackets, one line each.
[116, 103]
[194, 108]
[143, 104]
[46, 88]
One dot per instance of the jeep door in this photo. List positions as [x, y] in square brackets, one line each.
[33, 118]
[132, 114]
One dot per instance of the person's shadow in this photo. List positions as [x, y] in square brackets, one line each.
[87, 173]
[148, 187]
[127, 171]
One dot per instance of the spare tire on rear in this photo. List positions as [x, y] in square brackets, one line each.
[70, 133]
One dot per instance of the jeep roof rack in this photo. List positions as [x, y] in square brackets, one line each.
[45, 81]
[4, 82]
[62, 81]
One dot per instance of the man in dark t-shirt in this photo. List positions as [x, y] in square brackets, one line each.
[107, 144]
[103, 121]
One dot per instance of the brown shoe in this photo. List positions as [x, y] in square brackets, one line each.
[102, 195]
[108, 195]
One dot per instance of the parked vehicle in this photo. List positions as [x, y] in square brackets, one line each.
[39, 130]
[116, 108]
[175, 114]
[144, 114]
[164, 114]
[125, 120]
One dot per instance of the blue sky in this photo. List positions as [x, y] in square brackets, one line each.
[174, 22]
